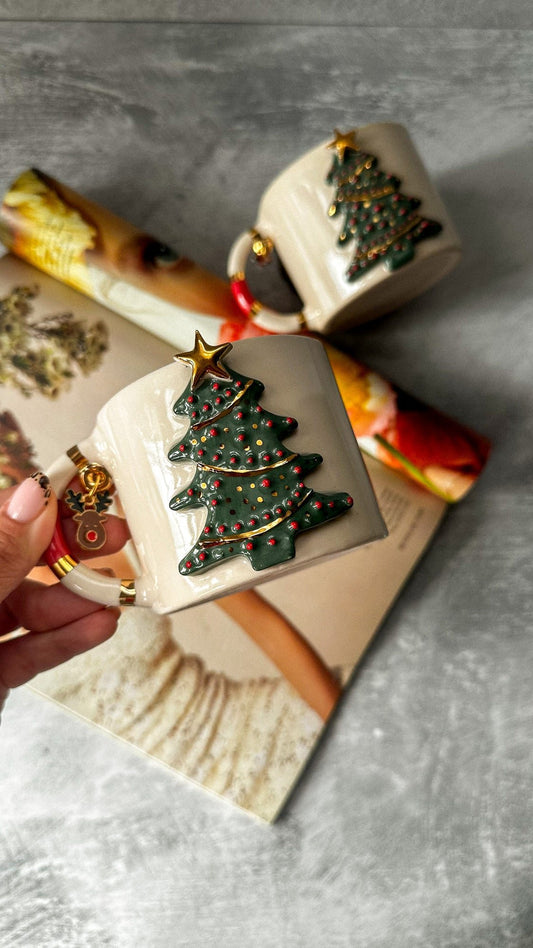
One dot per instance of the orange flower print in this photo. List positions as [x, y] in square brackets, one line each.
[444, 455]
[370, 400]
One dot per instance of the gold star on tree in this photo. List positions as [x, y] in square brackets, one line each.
[342, 141]
[205, 360]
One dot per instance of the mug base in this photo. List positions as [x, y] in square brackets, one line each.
[380, 293]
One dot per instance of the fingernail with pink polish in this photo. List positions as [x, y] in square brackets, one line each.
[30, 498]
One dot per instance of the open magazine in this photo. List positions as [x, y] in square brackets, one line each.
[233, 694]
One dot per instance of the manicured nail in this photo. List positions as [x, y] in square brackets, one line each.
[30, 498]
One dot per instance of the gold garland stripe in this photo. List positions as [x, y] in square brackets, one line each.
[371, 195]
[226, 411]
[207, 544]
[365, 165]
[236, 472]
[388, 243]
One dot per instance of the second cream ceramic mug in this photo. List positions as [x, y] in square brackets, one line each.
[358, 227]
[216, 483]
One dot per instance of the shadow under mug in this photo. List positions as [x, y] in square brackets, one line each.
[137, 429]
[301, 213]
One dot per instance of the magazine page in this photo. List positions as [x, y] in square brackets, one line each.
[82, 244]
[235, 693]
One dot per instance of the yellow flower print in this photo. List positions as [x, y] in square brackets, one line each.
[47, 232]
[368, 398]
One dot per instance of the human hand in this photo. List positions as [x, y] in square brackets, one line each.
[59, 623]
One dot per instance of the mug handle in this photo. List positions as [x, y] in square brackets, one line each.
[261, 316]
[85, 582]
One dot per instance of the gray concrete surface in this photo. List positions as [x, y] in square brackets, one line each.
[480, 14]
[412, 825]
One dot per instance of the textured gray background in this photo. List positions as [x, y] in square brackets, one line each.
[412, 826]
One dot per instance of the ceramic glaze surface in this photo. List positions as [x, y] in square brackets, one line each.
[294, 213]
[138, 428]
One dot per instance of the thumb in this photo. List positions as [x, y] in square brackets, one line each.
[27, 523]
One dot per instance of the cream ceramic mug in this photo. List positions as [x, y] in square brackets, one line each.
[358, 226]
[214, 498]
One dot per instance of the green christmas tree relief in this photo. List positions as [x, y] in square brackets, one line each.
[382, 222]
[250, 484]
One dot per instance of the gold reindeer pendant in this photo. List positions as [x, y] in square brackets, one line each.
[89, 504]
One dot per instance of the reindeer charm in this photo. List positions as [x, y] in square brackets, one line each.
[91, 533]
[91, 502]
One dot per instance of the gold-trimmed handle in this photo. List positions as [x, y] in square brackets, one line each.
[262, 316]
[76, 576]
